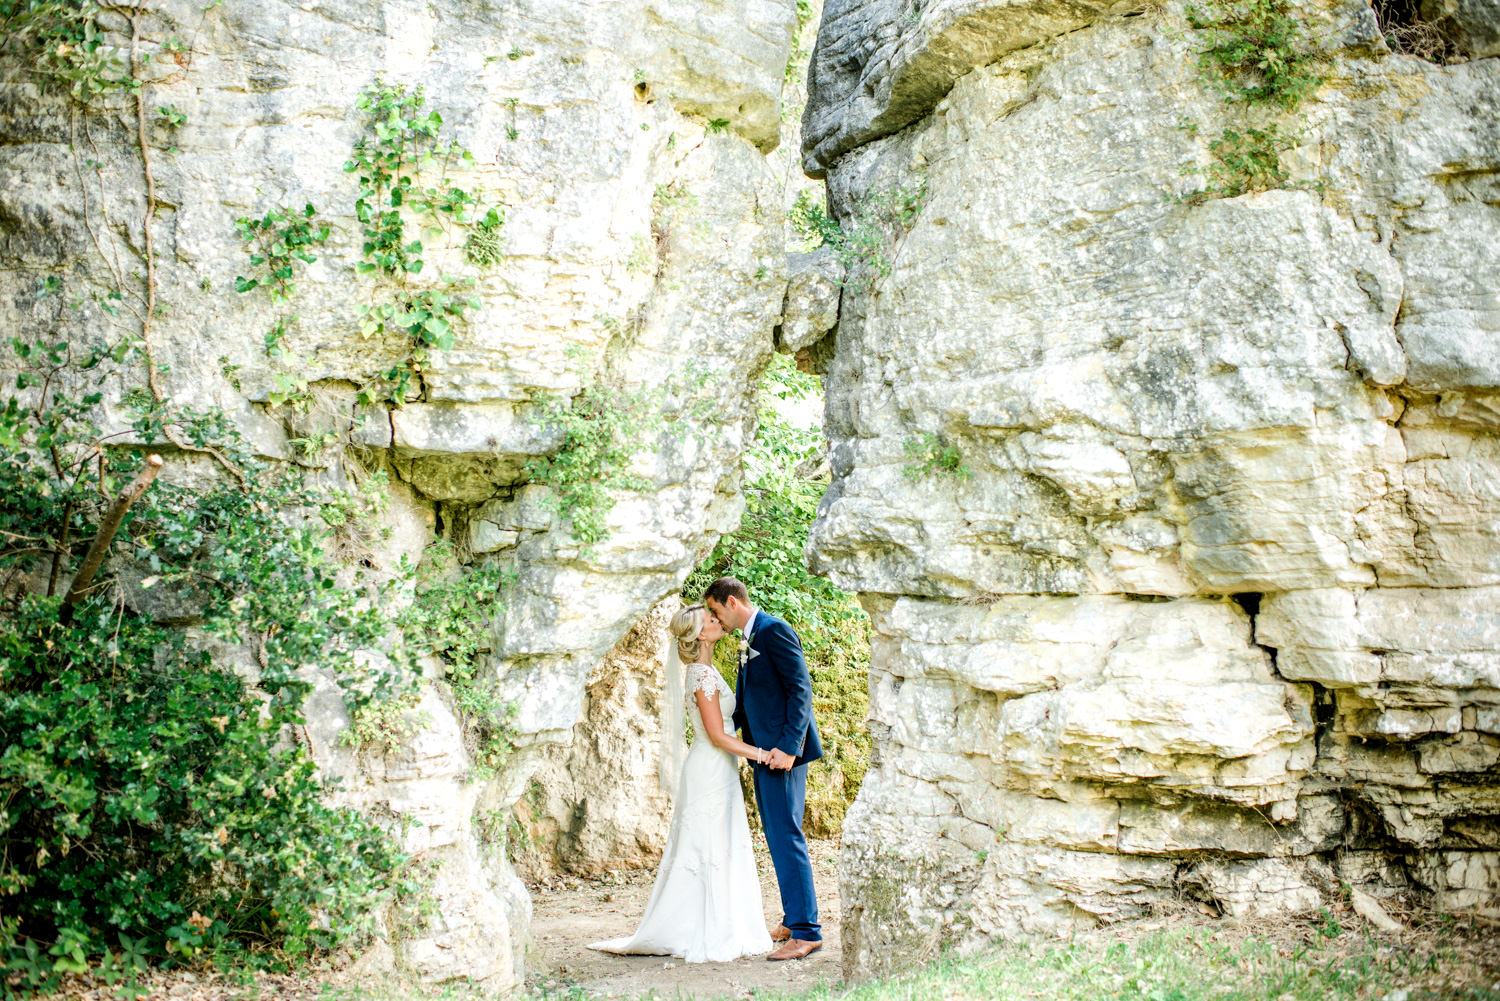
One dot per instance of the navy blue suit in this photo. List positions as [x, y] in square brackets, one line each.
[773, 709]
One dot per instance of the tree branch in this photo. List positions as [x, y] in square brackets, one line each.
[108, 526]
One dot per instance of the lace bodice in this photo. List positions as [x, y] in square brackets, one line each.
[705, 678]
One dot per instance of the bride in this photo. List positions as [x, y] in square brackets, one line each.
[706, 905]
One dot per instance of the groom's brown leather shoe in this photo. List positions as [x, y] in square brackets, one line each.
[795, 948]
[780, 933]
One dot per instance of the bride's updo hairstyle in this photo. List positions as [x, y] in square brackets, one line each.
[686, 625]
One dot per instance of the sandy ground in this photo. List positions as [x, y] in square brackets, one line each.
[569, 913]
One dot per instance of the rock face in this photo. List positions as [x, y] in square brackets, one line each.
[642, 231]
[1175, 519]
[601, 801]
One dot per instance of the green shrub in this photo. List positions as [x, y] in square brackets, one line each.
[152, 807]
[928, 454]
[1257, 51]
[865, 244]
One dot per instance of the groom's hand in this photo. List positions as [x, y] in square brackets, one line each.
[779, 760]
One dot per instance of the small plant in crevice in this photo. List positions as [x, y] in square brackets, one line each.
[1258, 51]
[810, 220]
[407, 206]
[385, 725]
[930, 454]
[1259, 56]
[864, 244]
[1243, 162]
[482, 246]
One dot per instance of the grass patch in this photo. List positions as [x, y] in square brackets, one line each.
[1437, 957]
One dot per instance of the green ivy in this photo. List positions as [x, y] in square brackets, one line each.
[603, 429]
[403, 149]
[275, 241]
[153, 808]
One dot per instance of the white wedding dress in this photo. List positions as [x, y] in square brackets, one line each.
[706, 904]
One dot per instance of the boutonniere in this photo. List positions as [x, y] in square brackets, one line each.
[744, 647]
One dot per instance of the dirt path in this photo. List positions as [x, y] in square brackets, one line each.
[571, 912]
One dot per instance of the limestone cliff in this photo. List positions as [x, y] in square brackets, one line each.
[642, 230]
[1174, 514]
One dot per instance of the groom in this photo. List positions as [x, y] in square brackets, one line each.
[773, 708]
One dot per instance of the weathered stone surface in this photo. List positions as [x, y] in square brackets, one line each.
[811, 308]
[1473, 24]
[882, 64]
[1285, 398]
[600, 801]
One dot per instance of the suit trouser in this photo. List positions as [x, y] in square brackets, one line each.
[780, 797]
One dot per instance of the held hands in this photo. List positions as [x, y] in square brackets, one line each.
[778, 760]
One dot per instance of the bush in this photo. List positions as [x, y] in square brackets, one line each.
[153, 805]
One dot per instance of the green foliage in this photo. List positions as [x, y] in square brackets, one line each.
[151, 808]
[449, 617]
[274, 242]
[766, 552]
[800, 48]
[171, 116]
[717, 126]
[1257, 51]
[865, 244]
[62, 45]
[1244, 162]
[1258, 54]
[930, 454]
[482, 246]
[403, 169]
[811, 221]
[383, 725]
[451, 609]
[489, 722]
[603, 429]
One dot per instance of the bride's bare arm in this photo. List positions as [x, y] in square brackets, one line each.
[713, 723]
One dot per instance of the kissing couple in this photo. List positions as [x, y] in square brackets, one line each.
[706, 904]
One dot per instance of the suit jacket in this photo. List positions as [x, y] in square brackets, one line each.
[773, 693]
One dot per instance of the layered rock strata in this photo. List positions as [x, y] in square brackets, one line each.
[1175, 517]
[642, 230]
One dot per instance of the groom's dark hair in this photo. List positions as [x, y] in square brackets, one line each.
[725, 588]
